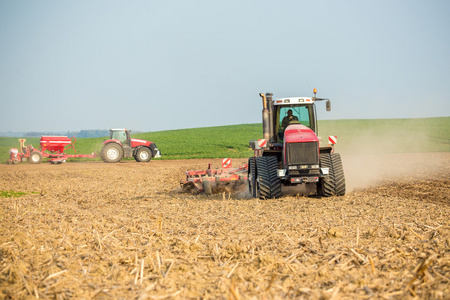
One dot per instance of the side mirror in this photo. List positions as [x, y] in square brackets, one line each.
[328, 105]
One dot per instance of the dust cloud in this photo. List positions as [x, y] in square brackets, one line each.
[406, 149]
[363, 171]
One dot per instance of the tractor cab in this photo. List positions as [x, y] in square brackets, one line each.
[295, 110]
[288, 111]
[122, 135]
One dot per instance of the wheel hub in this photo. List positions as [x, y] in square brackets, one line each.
[112, 154]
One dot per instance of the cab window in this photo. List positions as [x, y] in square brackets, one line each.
[294, 115]
[120, 136]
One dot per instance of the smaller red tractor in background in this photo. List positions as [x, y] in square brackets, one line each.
[120, 145]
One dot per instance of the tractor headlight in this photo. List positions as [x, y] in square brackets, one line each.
[325, 171]
[314, 166]
[292, 167]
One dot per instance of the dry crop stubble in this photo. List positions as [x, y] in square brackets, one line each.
[108, 231]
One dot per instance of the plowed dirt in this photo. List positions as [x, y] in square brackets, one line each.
[125, 231]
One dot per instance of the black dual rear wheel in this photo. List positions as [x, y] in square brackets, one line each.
[263, 179]
[252, 177]
[334, 184]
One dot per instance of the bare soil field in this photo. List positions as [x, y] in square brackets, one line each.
[90, 230]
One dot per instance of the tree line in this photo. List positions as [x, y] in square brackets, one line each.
[90, 133]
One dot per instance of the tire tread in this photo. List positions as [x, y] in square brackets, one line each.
[269, 182]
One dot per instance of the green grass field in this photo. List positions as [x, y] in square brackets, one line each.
[354, 137]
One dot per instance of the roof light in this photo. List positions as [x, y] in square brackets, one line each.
[287, 101]
[314, 91]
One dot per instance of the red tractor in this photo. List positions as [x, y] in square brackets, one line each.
[289, 159]
[121, 145]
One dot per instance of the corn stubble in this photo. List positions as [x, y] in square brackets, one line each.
[124, 231]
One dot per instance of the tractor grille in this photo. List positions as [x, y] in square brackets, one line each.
[302, 153]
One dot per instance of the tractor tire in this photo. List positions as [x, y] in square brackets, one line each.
[252, 177]
[334, 185]
[267, 181]
[35, 157]
[143, 154]
[111, 153]
[339, 177]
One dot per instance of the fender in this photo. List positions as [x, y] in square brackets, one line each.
[112, 141]
[156, 152]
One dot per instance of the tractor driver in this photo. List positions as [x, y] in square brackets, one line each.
[288, 119]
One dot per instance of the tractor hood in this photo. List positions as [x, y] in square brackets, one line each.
[137, 142]
[301, 146]
[297, 133]
[134, 142]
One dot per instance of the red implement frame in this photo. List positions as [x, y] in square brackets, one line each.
[57, 145]
[52, 147]
[196, 179]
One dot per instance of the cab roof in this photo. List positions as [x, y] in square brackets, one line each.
[293, 100]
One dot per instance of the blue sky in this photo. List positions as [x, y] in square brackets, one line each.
[157, 65]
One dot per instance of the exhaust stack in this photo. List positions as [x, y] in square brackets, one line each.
[265, 117]
[271, 118]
